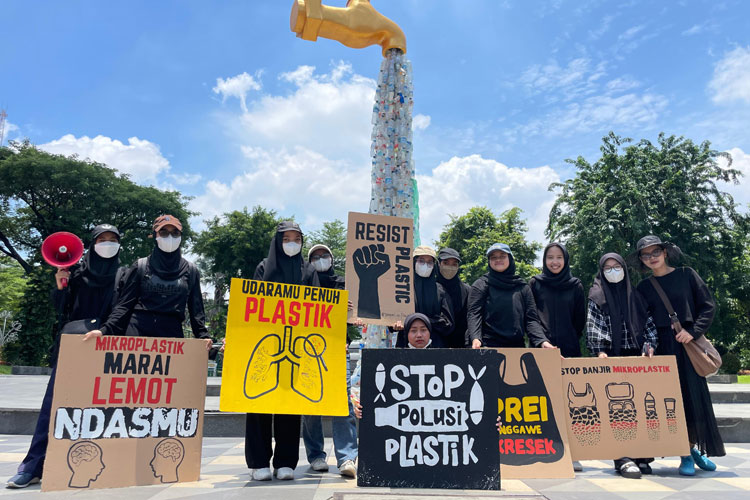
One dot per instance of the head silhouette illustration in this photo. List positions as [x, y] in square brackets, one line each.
[85, 460]
[168, 455]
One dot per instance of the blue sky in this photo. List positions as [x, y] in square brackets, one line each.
[221, 101]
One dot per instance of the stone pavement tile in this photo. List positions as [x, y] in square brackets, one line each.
[742, 483]
[712, 485]
[515, 486]
[540, 484]
[621, 484]
[724, 495]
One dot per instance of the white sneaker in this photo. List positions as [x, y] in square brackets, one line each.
[263, 474]
[284, 473]
[348, 469]
[319, 465]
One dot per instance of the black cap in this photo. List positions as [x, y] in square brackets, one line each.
[288, 225]
[104, 228]
[448, 253]
[648, 241]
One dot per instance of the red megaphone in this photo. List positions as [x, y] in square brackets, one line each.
[62, 250]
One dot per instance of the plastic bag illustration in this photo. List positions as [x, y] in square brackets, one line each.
[622, 415]
[304, 353]
[587, 423]
[550, 434]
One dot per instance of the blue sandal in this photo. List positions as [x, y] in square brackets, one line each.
[702, 461]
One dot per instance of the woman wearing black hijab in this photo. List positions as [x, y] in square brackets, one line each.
[417, 332]
[618, 324]
[560, 301]
[158, 289]
[458, 291]
[501, 305]
[87, 298]
[431, 298]
[284, 264]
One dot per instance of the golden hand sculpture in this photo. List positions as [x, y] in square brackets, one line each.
[357, 25]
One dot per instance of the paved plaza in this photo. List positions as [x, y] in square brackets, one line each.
[224, 475]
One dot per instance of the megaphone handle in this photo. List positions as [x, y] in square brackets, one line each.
[63, 281]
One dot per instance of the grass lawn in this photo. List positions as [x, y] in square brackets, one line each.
[5, 369]
[741, 379]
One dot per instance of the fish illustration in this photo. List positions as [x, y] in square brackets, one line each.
[380, 382]
[476, 398]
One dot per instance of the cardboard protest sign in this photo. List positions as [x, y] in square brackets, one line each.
[379, 267]
[126, 411]
[624, 407]
[533, 439]
[429, 419]
[285, 350]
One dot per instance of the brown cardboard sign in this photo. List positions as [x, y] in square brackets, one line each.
[127, 411]
[379, 267]
[624, 407]
[533, 441]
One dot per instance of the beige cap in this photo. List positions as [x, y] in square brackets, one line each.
[425, 250]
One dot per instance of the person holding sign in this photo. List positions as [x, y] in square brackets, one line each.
[560, 301]
[458, 292]
[619, 324]
[694, 307]
[284, 264]
[320, 265]
[501, 306]
[158, 289]
[431, 299]
[86, 301]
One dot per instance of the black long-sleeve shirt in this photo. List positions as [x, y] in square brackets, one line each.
[442, 324]
[565, 313]
[500, 318]
[153, 307]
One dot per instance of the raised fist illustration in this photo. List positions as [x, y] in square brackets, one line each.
[370, 263]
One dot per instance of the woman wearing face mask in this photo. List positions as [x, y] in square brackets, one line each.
[692, 302]
[158, 289]
[618, 324]
[501, 306]
[431, 299]
[320, 264]
[560, 301]
[86, 300]
[283, 264]
[458, 291]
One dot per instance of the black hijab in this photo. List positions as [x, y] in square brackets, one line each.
[452, 286]
[325, 279]
[620, 301]
[279, 267]
[95, 270]
[403, 336]
[428, 300]
[507, 279]
[167, 265]
[563, 280]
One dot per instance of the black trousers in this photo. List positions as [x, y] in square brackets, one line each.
[259, 430]
[33, 463]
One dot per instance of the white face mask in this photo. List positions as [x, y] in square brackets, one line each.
[291, 248]
[322, 265]
[424, 270]
[168, 244]
[614, 276]
[107, 249]
[448, 272]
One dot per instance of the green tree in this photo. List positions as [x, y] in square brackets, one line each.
[473, 233]
[42, 193]
[332, 235]
[12, 284]
[669, 189]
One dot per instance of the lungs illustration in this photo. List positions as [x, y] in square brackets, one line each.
[304, 354]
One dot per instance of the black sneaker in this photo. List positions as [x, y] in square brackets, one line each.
[645, 468]
[630, 471]
[22, 480]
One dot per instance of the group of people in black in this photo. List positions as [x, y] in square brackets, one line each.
[500, 309]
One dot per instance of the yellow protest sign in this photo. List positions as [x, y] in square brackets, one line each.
[285, 349]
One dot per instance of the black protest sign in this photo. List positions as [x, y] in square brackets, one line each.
[533, 439]
[429, 419]
[379, 267]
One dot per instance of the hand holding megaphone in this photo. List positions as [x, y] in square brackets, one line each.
[62, 250]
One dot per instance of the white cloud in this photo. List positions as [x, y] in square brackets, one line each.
[421, 122]
[236, 86]
[10, 132]
[731, 80]
[139, 158]
[458, 184]
[631, 32]
[578, 78]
